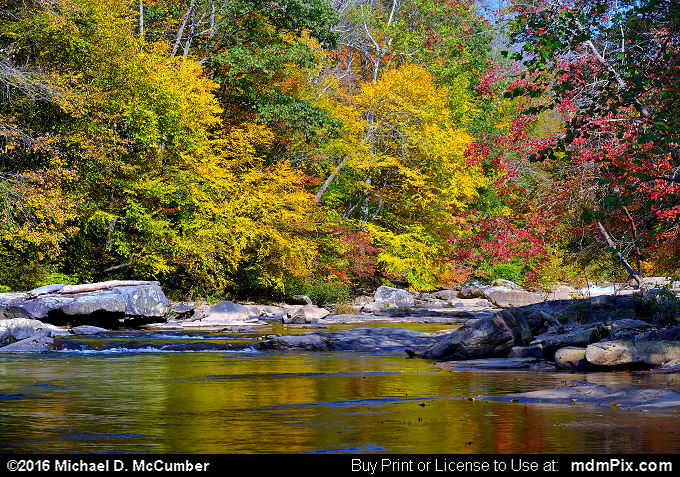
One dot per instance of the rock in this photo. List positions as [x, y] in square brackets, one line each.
[296, 317]
[598, 395]
[183, 310]
[363, 300]
[46, 289]
[633, 353]
[628, 328]
[504, 297]
[471, 289]
[526, 352]
[484, 338]
[381, 337]
[500, 282]
[299, 300]
[655, 282]
[87, 330]
[571, 358]
[386, 337]
[492, 363]
[312, 341]
[313, 312]
[112, 307]
[447, 294]
[577, 335]
[394, 296]
[664, 334]
[18, 329]
[226, 313]
[34, 344]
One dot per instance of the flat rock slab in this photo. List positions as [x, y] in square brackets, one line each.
[494, 364]
[595, 394]
[34, 344]
[633, 352]
[111, 306]
[355, 339]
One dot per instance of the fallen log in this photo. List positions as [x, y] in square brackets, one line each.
[89, 287]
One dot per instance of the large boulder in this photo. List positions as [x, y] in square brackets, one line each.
[633, 353]
[577, 335]
[571, 358]
[109, 304]
[394, 296]
[487, 337]
[18, 329]
[504, 297]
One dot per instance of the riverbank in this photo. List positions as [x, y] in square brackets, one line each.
[486, 327]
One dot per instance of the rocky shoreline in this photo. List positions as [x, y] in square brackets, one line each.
[501, 325]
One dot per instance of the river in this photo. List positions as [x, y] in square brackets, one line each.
[122, 400]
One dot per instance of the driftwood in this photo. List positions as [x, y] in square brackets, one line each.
[550, 319]
[88, 287]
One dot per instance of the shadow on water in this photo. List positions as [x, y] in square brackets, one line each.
[114, 399]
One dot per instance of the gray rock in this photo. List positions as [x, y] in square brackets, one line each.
[296, 317]
[577, 335]
[44, 290]
[500, 282]
[484, 338]
[633, 353]
[526, 352]
[447, 294]
[299, 300]
[363, 300]
[312, 341]
[87, 330]
[571, 358]
[394, 296]
[471, 289]
[492, 363]
[664, 334]
[17, 329]
[628, 328]
[598, 395]
[34, 344]
[183, 309]
[354, 339]
[504, 297]
[130, 304]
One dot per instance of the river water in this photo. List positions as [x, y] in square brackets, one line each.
[144, 400]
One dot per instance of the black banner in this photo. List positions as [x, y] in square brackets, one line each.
[344, 464]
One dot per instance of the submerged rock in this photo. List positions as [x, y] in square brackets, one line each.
[493, 363]
[598, 395]
[354, 339]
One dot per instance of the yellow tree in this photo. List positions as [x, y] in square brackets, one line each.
[408, 177]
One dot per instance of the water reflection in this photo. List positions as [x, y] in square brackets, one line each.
[234, 402]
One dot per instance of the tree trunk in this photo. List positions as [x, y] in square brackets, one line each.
[631, 271]
[329, 180]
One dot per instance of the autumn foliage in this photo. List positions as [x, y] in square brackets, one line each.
[254, 147]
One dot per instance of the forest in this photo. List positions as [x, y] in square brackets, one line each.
[255, 148]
